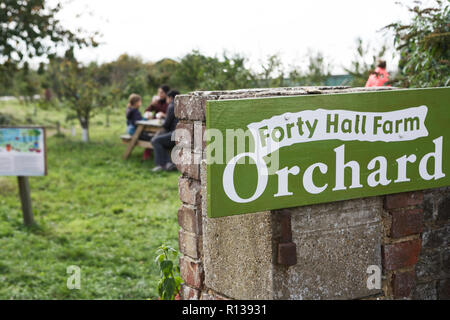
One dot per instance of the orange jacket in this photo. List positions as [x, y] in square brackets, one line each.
[378, 79]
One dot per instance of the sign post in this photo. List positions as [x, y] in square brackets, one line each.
[25, 198]
[285, 152]
[23, 154]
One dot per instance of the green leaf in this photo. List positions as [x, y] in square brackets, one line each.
[178, 282]
[166, 267]
[169, 287]
[159, 258]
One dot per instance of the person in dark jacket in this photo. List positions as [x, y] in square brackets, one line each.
[162, 142]
[132, 113]
[156, 110]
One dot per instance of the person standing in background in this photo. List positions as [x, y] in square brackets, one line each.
[379, 77]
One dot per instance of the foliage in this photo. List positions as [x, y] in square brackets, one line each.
[135, 83]
[360, 69]
[161, 72]
[110, 99]
[128, 74]
[424, 46]
[30, 28]
[272, 74]
[169, 285]
[94, 210]
[77, 89]
[199, 72]
[317, 71]
[28, 83]
[191, 70]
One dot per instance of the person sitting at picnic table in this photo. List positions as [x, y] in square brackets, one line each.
[156, 110]
[158, 107]
[132, 113]
[162, 142]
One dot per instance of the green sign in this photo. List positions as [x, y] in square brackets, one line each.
[272, 153]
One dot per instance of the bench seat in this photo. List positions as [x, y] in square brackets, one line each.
[126, 138]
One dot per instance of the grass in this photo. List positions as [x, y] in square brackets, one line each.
[93, 210]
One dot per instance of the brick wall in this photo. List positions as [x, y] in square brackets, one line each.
[416, 251]
[190, 109]
[403, 223]
[433, 266]
[416, 225]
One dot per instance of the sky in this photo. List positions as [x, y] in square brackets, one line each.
[256, 28]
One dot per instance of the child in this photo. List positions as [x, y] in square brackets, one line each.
[133, 114]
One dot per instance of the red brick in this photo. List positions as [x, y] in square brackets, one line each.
[403, 284]
[403, 200]
[191, 272]
[190, 219]
[287, 254]
[401, 254]
[190, 244]
[405, 223]
[189, 191]
[188, 293]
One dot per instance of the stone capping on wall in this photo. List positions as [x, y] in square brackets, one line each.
[402, 222]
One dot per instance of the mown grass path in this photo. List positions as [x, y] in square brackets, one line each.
[93, 210]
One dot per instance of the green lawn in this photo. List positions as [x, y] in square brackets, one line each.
[93, 210]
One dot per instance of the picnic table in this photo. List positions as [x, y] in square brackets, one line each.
[152, 126]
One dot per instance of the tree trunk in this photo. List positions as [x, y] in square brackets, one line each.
[107, 118]
[85, 134]
[84, 122]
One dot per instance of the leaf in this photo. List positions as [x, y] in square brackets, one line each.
[168, 287]
[178, 282]
[166, 267]
[159, 258]
[160, 287]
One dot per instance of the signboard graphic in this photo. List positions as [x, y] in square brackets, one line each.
[272, 153]
[22, 151]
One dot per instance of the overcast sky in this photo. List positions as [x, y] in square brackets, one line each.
[256, 28]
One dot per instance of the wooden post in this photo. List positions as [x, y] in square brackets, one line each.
[133, 141]
[24, 191]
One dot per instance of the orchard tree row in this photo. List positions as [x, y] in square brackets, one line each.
[29, 29]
